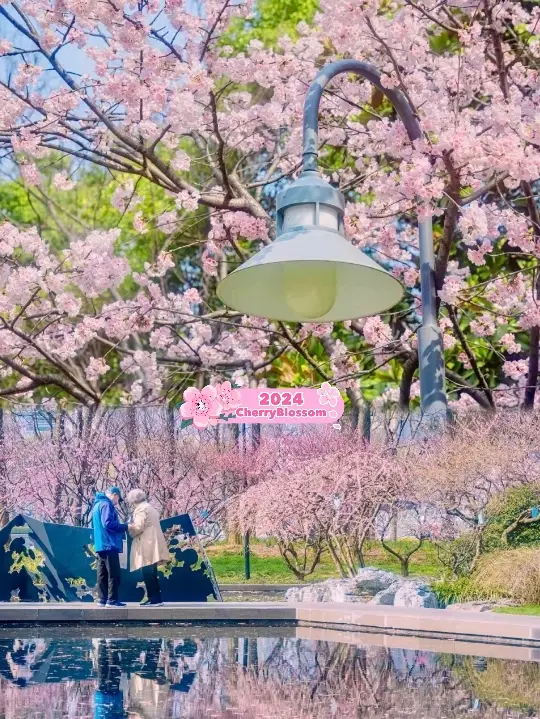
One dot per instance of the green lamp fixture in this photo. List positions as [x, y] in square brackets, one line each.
[311, 272]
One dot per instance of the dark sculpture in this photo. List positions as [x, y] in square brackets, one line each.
[67, 570]
[39, 661]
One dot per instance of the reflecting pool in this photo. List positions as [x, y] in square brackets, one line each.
[170, 672]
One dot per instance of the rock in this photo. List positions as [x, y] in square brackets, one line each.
[332, 590]
[370, 586]
[471, 606]
[415, 594]
[372, 581]
[387, 596]
[485, 605]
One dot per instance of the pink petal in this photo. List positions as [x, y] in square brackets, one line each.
[215, 409]
[187, 410]
[226, 387]
[200, 421]
[209, 392]
[191, 394]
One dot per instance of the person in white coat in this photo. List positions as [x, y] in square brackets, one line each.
[149, 548]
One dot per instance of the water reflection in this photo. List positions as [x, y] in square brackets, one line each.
[267, 677]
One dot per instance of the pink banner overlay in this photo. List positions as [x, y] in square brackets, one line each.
[221, 403]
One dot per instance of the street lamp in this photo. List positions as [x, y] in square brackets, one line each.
[312, 273]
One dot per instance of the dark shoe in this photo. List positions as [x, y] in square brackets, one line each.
[151, 603]
[115, 604]
[101, 603]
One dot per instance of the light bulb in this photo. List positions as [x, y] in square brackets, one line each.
[310, 288]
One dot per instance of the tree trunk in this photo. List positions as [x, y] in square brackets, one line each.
[171, 434]
[61, 445]
[532, 374]
[394, 527]
[534, 335]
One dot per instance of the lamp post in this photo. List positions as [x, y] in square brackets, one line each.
[312, 273]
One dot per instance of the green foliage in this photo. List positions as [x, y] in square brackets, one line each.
[505, 509]
[514, 685]
[271, 20]
[267, 566]
[461, 589]
[527, 609]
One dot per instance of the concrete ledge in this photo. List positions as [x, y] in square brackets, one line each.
[351, 619]
[422, 644]
[258, 587]
[435, 622]
[192, 612]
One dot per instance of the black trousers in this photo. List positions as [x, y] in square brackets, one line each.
[151, 581]
[108, 576]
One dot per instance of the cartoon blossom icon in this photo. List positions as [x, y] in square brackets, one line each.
[201, 406]
[228, 397]
[328, 394]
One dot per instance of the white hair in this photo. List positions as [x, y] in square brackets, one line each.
[136, 496]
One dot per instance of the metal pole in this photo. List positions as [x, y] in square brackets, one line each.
[247, 557]
[430, 346]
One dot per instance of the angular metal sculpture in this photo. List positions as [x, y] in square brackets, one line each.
[52, 661]
[67, 569]
[15, 578]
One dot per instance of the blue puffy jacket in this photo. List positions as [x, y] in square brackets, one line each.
[108, 530]
[109, 705]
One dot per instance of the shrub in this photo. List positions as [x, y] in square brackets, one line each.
[511, 684]
[513, 573]
[457, 555]
[505, 509]
[462, 589]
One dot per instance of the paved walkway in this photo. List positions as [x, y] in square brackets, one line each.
[351, 618]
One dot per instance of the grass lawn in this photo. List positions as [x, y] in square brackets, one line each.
[533, 609]
[267, 566]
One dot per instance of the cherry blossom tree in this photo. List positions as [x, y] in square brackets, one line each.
[163, 100]
[55, 474]
[461, 471]
[322, 492]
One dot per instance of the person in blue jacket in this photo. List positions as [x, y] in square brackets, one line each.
[109, 698]
[108, 544]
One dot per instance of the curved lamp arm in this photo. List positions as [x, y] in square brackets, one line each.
[430, 346]
[313, 101]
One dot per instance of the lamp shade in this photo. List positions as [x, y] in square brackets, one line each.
[262, 285]
[310, 272]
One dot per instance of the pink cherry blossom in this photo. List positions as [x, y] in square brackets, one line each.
[96, 368]
[202, 406]
[151, 108]
[62, 182]
[227, 397]
[328, 394]
[515, 369]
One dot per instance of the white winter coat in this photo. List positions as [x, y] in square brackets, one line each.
[149, 544]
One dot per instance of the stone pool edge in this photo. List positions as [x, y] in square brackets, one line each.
[436, 623]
